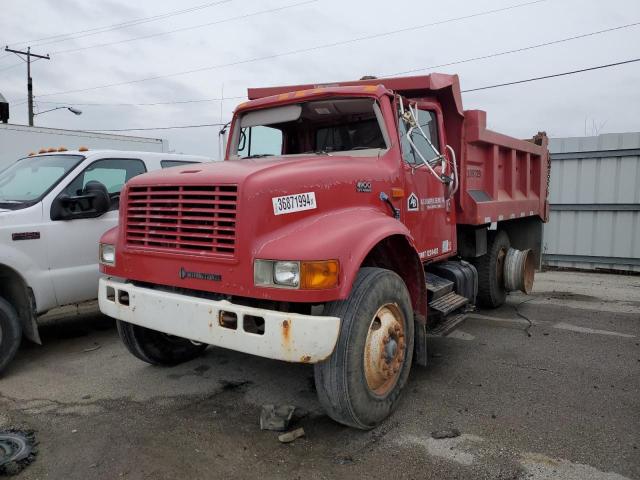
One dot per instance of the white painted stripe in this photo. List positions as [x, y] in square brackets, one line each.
[575, 328]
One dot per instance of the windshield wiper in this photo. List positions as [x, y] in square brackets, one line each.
[318, 152]
[260, 155]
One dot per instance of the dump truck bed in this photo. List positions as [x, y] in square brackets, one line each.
[501, 177]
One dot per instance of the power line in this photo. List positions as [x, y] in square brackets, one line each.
[28, 56]
[63, 37]
[552, 76]
[515, 50]
[297, 51]
[463, 91]
[183, 29]
[456, 62]
[151, 104]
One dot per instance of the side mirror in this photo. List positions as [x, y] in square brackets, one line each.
[93, 202]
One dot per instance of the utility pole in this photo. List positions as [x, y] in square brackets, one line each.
[28, 54]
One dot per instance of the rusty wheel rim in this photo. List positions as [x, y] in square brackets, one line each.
[502, 253]
[384, 349]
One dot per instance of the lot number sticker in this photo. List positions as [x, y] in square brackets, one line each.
[294, 203]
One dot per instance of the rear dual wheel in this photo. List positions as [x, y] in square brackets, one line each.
[490, 267]
[360, 384]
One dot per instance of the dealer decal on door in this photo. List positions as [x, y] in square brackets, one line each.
[412, 203]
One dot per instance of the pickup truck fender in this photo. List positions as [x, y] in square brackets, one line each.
[25, 288]
[357, 236]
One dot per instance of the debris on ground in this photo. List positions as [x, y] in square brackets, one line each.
[344, 459]
[291, 436]
[447, 433]
[276, 418]
[17, 450]
[92, 349]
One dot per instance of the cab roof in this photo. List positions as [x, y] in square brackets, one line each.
[444, 86]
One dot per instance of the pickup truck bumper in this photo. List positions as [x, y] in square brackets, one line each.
[290, 337]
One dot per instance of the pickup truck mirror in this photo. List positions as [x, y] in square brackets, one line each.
[93, 202]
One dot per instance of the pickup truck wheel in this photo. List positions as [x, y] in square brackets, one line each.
[157, 348]
[10, 333]
[490, 266]
[359, 385]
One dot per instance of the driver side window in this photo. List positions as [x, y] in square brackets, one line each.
[260, 140]
[428, 121]
[112, 173]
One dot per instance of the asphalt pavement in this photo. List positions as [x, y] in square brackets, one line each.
[546, 387]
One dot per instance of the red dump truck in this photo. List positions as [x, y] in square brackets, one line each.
[346, 222]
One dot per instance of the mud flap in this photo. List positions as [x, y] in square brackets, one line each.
[420, 343]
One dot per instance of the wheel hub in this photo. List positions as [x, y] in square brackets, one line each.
[384, 349]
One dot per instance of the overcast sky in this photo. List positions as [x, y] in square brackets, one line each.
[601, 101]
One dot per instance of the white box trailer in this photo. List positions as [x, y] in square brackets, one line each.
[16, 141]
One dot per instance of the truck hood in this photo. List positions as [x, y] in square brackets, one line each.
[291, 168]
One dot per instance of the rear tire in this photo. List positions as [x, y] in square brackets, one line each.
[360, 384]
[157, 348]
[490, 266]
[10, 333]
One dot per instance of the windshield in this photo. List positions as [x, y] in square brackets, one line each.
[28, 179]
[350, 126]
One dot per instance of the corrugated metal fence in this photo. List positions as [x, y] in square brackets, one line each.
[595, 203]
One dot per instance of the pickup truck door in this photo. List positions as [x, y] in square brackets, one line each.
[427, 211]
[73, 244]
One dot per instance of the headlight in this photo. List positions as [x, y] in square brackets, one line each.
[107, 254]
[287, 274]
[314, 275]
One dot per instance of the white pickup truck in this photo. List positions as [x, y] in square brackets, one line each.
[54, 207]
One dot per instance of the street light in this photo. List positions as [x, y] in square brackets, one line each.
[73, 110]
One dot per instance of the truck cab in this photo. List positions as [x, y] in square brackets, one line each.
[54, 207]
[342, 224]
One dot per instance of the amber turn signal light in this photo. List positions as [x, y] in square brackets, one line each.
[397, 192]
[319, 275]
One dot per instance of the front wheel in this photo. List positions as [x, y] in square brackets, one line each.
[360, 384]
[10, 333]
[157, 348]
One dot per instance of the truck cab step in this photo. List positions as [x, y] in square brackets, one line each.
[447, 326]
[448, 303]
[437, 287]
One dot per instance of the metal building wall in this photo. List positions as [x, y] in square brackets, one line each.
[595, 203]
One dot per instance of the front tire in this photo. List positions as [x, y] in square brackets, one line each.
[157, 348]
[10, 333]
[360, 384]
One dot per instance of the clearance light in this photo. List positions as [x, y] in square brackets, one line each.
[83, 149]
[42, 150]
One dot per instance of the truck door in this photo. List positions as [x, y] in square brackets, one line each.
[428, 213]
[73, 244]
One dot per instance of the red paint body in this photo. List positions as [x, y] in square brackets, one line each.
[500, 178]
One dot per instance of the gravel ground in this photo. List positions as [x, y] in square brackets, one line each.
[561, 403]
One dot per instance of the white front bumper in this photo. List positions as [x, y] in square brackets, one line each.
[290, 337]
